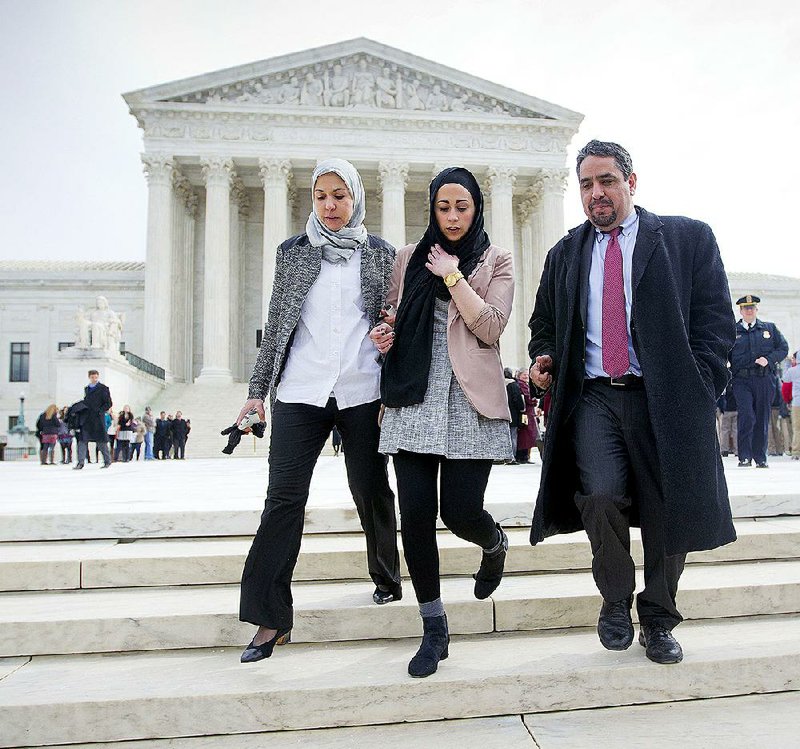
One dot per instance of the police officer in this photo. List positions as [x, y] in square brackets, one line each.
[755, 356]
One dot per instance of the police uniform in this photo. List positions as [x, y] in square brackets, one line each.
[754, 385]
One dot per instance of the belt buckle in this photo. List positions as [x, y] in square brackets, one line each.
[615, 382]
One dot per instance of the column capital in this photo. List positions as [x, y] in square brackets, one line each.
[500, 179]
[239, 195]
[275, 172]
[158, 168]
[530, 201]
[392, 174]
[553, 180]
[217, 170]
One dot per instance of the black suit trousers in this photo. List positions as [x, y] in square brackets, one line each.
[299, 432]
[619, 472]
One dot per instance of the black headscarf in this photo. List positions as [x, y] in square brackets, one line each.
[404, 380]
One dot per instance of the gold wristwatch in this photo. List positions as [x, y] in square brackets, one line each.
[451, 279]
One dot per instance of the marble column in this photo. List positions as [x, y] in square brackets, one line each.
[218, 172]
[182, 327]
[530, 269]
[500, 187]
[275, 176]
[392, 179]
[554, 184]
[158, 265]
[240, 210]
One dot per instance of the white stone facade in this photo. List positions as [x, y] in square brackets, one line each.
[229, 156]
[38, 302]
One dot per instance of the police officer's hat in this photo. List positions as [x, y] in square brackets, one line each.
[748, 300]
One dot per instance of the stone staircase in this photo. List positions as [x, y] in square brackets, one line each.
[210, 408]
[132, 636]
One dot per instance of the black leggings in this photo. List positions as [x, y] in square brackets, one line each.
[459, 500]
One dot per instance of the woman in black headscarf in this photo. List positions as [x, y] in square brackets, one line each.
[446, 412]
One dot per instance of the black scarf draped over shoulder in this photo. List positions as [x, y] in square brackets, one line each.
[404, 379]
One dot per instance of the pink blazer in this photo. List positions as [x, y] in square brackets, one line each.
[473, 345]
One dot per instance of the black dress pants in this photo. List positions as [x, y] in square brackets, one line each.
[754, 396]
[462, 484]
[180, 448]
[299, 433]
[618, 465]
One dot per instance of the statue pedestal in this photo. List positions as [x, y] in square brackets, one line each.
[128, 385]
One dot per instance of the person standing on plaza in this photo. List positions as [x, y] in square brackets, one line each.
[630, 333]
[124, 434]
[792, 376]
[516, 407]
[446, 414]
[150, 427]
[168, 437]
[65, 437]
[729, 417]
[97, 398]
[320, 370]
[47, 428]
[160, 439]
[180, 431]
[528, 433]
[756, 354]
[139, 432]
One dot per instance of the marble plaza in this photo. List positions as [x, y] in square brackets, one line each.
[121, 607]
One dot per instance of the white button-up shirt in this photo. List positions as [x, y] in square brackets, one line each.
[331, 355]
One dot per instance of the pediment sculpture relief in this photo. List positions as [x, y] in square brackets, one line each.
[360, 82]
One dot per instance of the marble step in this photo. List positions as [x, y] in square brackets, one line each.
[92, 621]
[156, 562]
[103, 698]
[503, 732]
[209, 497]
[691, 724]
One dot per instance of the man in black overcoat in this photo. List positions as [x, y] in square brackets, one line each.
[631, 329]
[97, 398]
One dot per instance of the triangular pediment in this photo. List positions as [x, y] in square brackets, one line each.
[359, 75]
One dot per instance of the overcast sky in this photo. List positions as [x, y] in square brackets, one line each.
[704, 94]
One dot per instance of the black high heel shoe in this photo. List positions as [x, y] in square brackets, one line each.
[253, 653]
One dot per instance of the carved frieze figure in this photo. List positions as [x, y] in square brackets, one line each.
[82, 324]
[311, 94]
[363, 86]
[289, 92]
[337, 88]
[386, 90]
[436, 100]
[411, 99]
[459, 104]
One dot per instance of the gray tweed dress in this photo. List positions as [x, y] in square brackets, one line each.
[445, 423]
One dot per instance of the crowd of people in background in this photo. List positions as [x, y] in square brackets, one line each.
[528, 417]
[129, 437]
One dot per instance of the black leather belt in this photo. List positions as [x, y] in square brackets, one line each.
[752, 372]
[626, 382]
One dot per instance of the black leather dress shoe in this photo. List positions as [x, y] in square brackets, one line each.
[761, 465]
[614, 626]
[745, 463]
[661, 646]
[381, 596]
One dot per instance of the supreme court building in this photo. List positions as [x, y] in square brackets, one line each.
[228, 158]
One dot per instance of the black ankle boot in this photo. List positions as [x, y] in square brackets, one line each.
[488, 577]
[435, 639]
